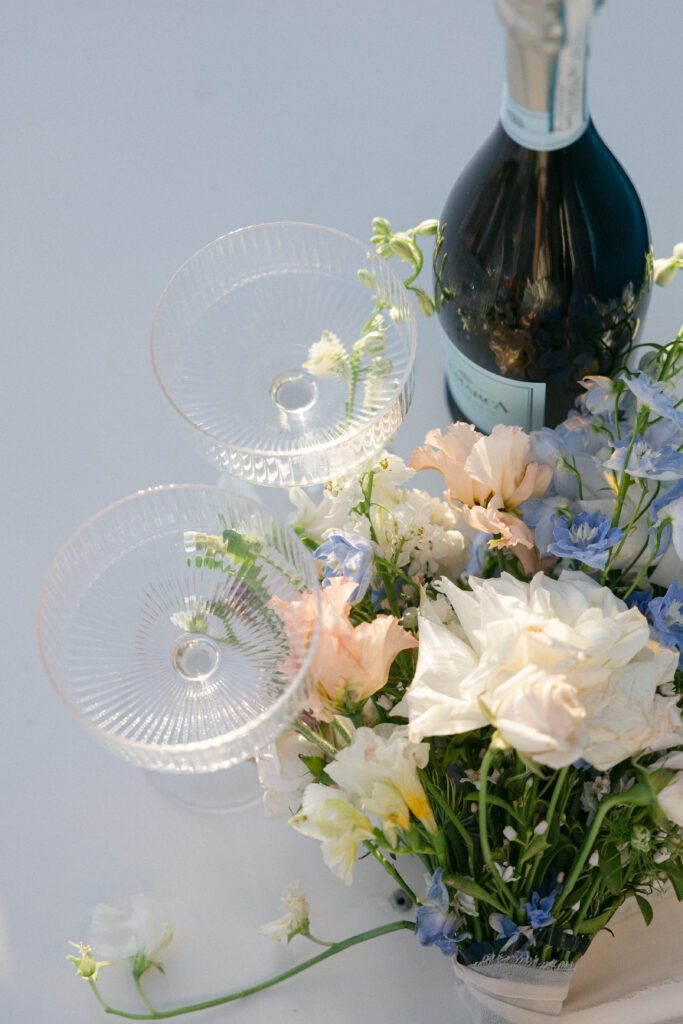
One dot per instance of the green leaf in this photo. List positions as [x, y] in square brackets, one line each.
[315, 765]
[610, 868]
[472, 888]
[537, 845]
[594, 924]
[675, 873]
[645, 908]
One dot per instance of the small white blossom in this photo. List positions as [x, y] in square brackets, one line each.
[510, 833]
[594, 859]
[195, 618]
[661, 856]
[293, 921]
[327, 357]
[506, 872]
[541, 828]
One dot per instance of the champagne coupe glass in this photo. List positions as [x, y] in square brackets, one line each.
[231, 348]
[158, 626]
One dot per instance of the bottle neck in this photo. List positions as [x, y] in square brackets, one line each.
[544, 100]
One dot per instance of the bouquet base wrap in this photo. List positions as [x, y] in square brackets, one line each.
[503, 990]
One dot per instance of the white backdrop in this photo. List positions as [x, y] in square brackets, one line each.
[133, 132]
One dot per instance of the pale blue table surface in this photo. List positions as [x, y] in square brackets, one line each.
[133, 132]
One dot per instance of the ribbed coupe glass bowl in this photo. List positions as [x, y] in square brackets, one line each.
[157, 627]
[232, 333]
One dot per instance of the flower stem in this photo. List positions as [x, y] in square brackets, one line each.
[552, 807]
[143, 994]
[483, 825]
[207, 1004]
[638, 795]
[316, 738]
[391, 870]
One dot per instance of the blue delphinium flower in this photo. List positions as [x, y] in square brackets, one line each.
[646, 461]
[656, 395]
[538, 911]
[587, 538]
[436, 922]
[600, 397]
[666, 615]
[511, 932]
[640, 599]
[670, 507]
[347, 554]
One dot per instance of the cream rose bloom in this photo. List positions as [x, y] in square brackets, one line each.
[603, 705]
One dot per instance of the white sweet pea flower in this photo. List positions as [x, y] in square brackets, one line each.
[140, 929]
[282, 773]
[603, 706]
[327, 815]
[293, 921]
[665, 269]
[327, 357]
[379, 770]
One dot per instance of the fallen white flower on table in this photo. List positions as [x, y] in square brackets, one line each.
[119, 934]
[295, 919]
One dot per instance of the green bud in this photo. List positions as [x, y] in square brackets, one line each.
[86, 965]
[425, 304]
[371, 344]
[380, 367]
[665, 271]
[641, 838]
[426, 227]
[403, 247]
[367, 278]
[381, 226]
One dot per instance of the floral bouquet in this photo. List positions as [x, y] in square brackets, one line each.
[497, 685]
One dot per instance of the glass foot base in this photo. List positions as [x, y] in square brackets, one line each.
[227, 791]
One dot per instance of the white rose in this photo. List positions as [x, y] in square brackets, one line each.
[540, 715]
[570, 627]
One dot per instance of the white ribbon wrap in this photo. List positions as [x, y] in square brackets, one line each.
[505, 991]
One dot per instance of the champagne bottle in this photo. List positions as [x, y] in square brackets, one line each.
[543, 263]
